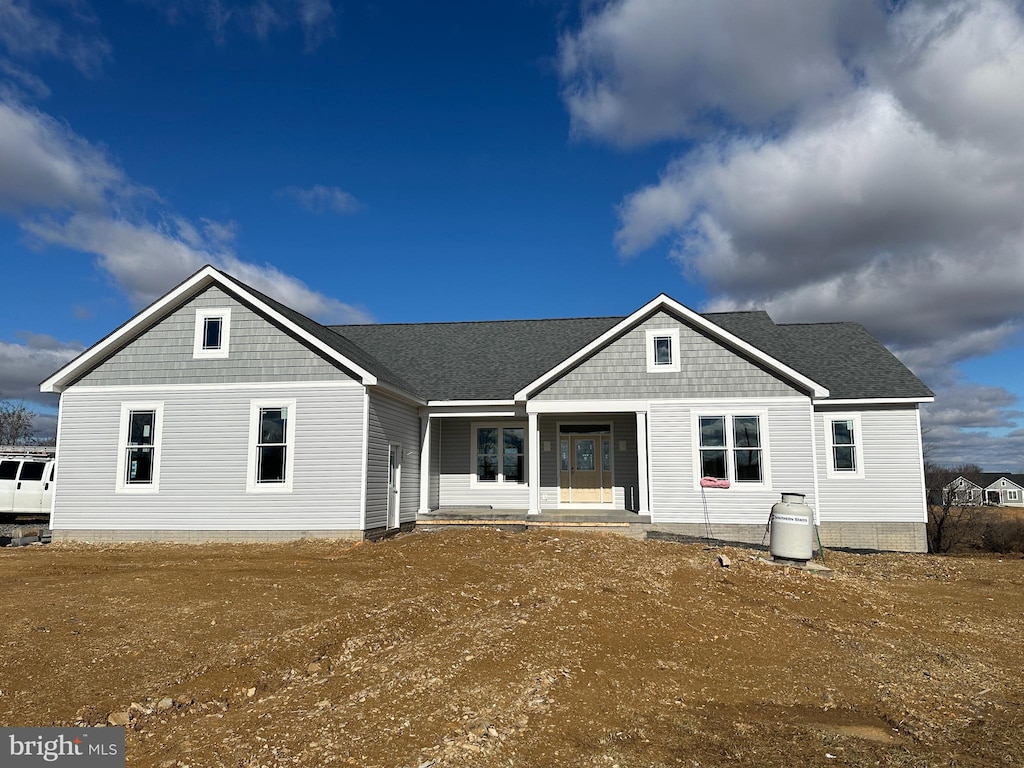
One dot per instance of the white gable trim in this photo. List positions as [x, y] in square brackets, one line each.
[876, 401]
[163, 306]
[664, 302]
[1007, 483]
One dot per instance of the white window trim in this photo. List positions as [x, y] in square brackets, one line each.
[474, 482]
[1011, 495]
[224, 313]
[730, 460]
[121, 485]
[251, 486]
[656, 333]
[858, 446]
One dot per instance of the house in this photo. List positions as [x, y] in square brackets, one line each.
[1004, 490]
[220, 413]
[996, 488]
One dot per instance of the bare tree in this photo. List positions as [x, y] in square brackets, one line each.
[952, 510]
[15, 423]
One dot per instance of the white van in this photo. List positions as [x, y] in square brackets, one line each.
[26, 485]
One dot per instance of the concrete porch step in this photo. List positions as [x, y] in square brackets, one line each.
[552, 518]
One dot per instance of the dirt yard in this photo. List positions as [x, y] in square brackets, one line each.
[485, 648]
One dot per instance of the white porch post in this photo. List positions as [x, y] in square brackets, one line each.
[424, 464]
[533, 464]
[641, 461]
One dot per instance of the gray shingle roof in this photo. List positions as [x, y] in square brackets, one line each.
[357, 354]
[494, 360]
[477, 360]
[843, 357]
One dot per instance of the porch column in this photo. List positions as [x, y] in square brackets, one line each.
[533, 463]
[424, 465]
[641, 461]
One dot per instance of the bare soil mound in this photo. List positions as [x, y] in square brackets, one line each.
[485, 648]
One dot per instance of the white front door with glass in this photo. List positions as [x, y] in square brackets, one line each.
[585, 469]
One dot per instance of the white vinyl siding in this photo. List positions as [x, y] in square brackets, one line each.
[392, 422]
[891, 488]
[456, 485]
[204, 462]
[676, 495]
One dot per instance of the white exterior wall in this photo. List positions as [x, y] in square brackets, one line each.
[456, 485]
[892, 488]
[204, 461]
[674, 466]
[392, 422]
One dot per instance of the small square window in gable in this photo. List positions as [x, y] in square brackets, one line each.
[212, 333]
[662, 350]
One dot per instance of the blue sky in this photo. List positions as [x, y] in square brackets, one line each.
[400, 161]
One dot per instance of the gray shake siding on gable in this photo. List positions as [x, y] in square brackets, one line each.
[619, 371]
[204, 462]
[392, 422]
[258, 351]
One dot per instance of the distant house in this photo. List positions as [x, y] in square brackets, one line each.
[220, 413]
[996, 488]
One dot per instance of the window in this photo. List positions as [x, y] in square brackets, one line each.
[8, 470]
[32, 470]
[662, 350]
[212, 333]
[732, 447]
[1011, 495]
[271, 445]
[499, 454]
[843, 441]
[138, 466]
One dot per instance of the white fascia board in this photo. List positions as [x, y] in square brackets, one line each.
[1001, 478]
[156, 311]
[876, 401]
[470, 403]
[665, 302]
[587, 406]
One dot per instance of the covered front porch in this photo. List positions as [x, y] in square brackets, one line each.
[505, 462]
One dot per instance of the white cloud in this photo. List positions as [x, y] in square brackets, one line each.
[864, 165]
[21, 82]
[322, 199]
[259, 19]
[64, 191]
[24, 365]
[47, 165]
[641, 70]
[26, 34]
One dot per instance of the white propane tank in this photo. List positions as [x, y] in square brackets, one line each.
[792, 528]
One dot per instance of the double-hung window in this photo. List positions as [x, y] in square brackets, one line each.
[499, 454]
[138, 464]
[732, 447]
[212, 333]
[843, 440]
[271, 445]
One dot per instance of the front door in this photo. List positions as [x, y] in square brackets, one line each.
[394, 485]
[585, 476]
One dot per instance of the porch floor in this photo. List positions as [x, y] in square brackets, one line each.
[597, 518]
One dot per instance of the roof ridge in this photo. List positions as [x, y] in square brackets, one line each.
[478, 322]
